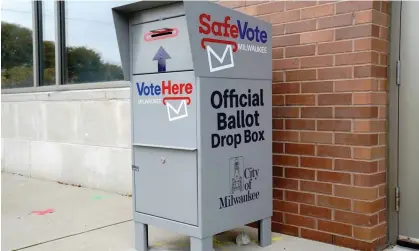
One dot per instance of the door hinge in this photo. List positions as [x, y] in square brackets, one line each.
[398, 72]
[397, 199]
[135, 168]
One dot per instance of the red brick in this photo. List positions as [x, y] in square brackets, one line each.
[356, 139]
[284, 17]
[369, 153]
[335, 73]
[276, 217]
[334, 125]
[370, 71]
[305, 149]
[301, 26]
[371, 44]
[278, 171]
[307, 198]
[352, 6]
[334, 47]
[318, 61]
[286, 136]
[277, 53]
[277, 124]
[291, 5]
[300, 75]
[300, 221]
[318, 212]
[380, 18]
[335, 99]
[315, 162]
[369, 180]
[299, 51]
[369, 207]
[384, 33]
[317, 236]
[363, 17]
[333, 151]
[285, 64]
[334, 202]
[356, 166]
[369, 126]
[360, 193]
[356, 58]
[278, 147]
[300, 99]
[357, 244]
[370, 234]
[299, 173]
[382, 216]
[282, 41]
[285, 160]
[334, 177]
[358, 31]
[356, 219]
[271, 7]
[285, 206]
[356, 85]
[300, 124]
[334, 227]
[285, 183]
[316, 87]
[315, 187]
[382, 190]
[286, 88]
[356, 112]
[318, 11]
[335, 21]
[285, 112]
[278, 30]
[370, 98]
[317, 36]
[231, 4]
[278, 76]
[316, 112]
[278, 100]
[284, 229]
[316, 137]
[278, 194]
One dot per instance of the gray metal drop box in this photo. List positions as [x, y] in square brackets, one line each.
[201, 98]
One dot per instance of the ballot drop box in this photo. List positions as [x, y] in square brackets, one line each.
[201, 111]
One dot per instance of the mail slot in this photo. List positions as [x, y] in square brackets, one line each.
[201, 105]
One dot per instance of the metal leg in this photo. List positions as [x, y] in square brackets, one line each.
[201, 244]
[141, 236]
[265, 232]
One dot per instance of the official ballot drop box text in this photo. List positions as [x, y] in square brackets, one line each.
[201, 105]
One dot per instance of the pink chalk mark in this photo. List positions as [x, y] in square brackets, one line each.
[48, 211]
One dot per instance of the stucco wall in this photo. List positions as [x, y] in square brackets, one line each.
[77, 137]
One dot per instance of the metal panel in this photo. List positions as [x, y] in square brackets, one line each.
[409, 122]
[161, 118]
[243, 50]
[159, 13]
[393, 123]
[166, 183]
[173, 50]
[236, 147]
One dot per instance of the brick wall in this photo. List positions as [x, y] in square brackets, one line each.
[329, 108]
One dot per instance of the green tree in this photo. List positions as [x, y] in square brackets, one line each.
[83, 64]
[16, 46]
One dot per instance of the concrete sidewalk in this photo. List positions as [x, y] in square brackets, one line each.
[85, 219]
